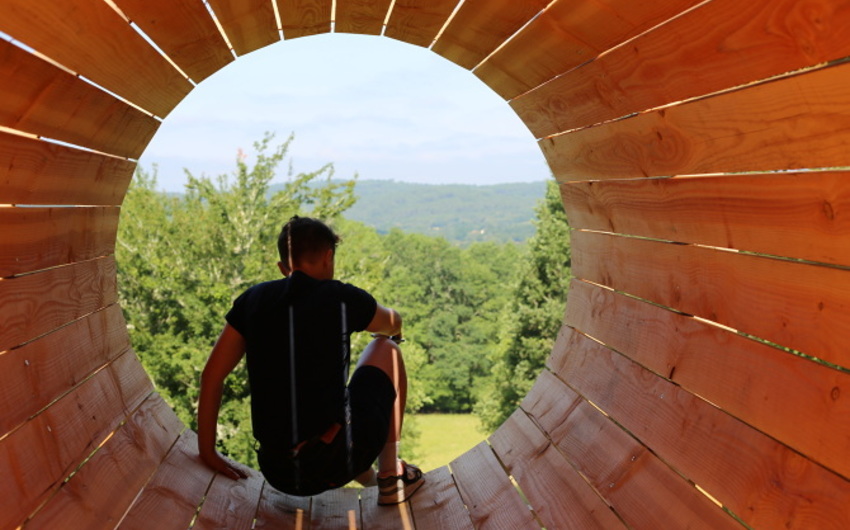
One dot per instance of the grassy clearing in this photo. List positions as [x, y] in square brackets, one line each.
[444, 437]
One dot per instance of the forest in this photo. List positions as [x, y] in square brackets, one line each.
[479, 318]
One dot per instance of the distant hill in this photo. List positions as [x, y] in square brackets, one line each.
[461, 213]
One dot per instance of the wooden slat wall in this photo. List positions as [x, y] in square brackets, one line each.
[480, 26]
[184, 31]
[365, 17]
[419, 21]
[248, 24]
[91, 39]
[38, 98]
[38, 172]
[300, 18]
[566, 35]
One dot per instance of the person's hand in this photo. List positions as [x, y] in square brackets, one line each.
[218, 463]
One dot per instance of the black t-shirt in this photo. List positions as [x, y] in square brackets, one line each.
[303, 323]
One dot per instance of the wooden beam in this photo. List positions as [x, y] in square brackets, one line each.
[301, 18]
[418, 21]
[37, 172]
[365, 17]
[91, 39]
[183, 30]
[481, 26]
[248, 24]
[437, 504]
[720, 45]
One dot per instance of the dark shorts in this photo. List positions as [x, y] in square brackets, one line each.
[319, 466]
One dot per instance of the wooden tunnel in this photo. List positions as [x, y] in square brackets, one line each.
[701, 378]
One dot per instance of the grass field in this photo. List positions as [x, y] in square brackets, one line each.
[444, 437]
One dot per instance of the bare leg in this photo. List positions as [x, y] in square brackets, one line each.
[385, 354]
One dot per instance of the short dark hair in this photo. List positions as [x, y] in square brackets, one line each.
[304, 237]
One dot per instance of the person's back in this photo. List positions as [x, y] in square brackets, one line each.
[314, 432]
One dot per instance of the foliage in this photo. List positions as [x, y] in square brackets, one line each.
[534, 315]
[182, 260]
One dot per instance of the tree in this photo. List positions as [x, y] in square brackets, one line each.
[183, 259]
[533, 317]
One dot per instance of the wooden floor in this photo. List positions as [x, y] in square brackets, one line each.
[184, 494]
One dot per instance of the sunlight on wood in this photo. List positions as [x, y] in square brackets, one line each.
[352, 520]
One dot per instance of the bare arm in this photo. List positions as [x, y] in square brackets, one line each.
[385, 322]
[226, 354]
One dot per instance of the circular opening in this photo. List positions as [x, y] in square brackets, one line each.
[384, 110]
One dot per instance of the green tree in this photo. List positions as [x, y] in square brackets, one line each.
[183, 259]
[533, 317]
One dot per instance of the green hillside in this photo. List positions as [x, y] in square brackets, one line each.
[461, 213]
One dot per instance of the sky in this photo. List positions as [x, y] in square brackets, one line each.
[373, 106]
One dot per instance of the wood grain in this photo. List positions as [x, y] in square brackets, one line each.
[248, 24]
[437, 504]
[279, 510]
[39, 98]
[566, 35]
[641, 488]
[335, 509]
[491, 499]
[301, 18]
[365, 17]
[37, 238]
[36, 458]
[35, 304]
[561, 498]
[802, 121]
[37, 172]
[184, 31]
[795, 305]
[760, 480]
[798, 215]
[91, 39]
[41, 371]
[418, 21]
[171, 499]
[480, 26]
[720, 45]
[794, 400]
[231, 504]
[98, 494]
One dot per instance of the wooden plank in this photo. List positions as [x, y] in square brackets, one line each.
[183, 30]
[100, 492]
[559, 495]
[802, 121]
[231, 504]
[721, 44]
[365, 17]
[36, 459]
[39, 98]
[248, 24]
[37, 172]
[760, 480]
[796, 305]
[437, 504]
[38, 238]
[481, 26]
[92, 40]
[35, 304]
[418, 21]
[335, 509]
[279, 510]
[567, 34]
[171, 499]
[799, 215]
[618, 466]
[486, 489]
[301, 18]
[41, 371]
[786, 396]
[374, 517]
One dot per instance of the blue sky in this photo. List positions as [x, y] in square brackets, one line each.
[371, 105]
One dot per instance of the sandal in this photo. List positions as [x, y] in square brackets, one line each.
[399, 488]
